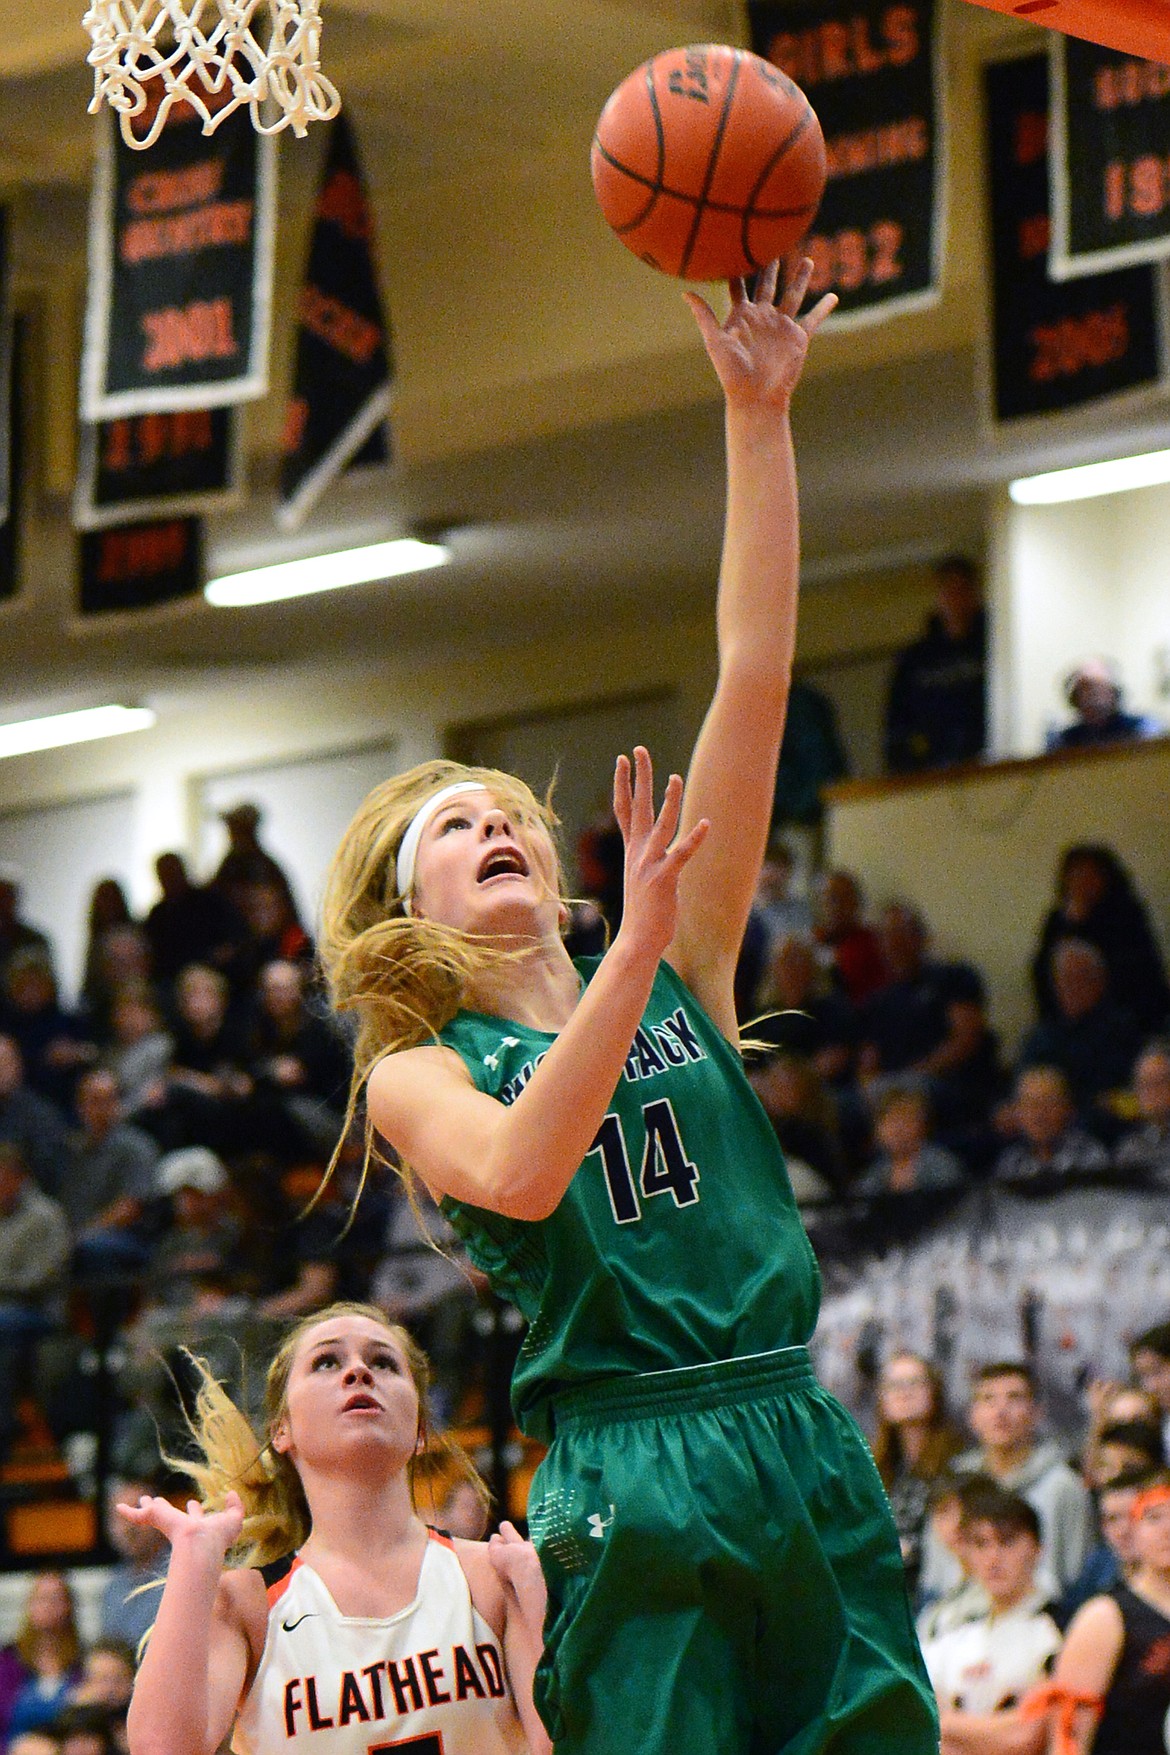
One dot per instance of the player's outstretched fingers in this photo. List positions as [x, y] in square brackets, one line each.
[767, 283]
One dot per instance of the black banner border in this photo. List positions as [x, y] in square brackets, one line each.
[96, 403]
[1063, 263]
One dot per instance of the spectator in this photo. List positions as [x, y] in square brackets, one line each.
[53, 1042]
[1093, 691]
[109, 1181]
[1113, 1404]
[852, 949]
[1149, 1354]
[462, 1512]
[127, 1610]
[937, 712]
[1122, 1447]
[909, 1162]
[1090, 1037]
[785, 913]
[915, 1442]
[930, 1020]
[50, 1650]
[802, 1113]
[246, 862]
[1004, 1417]
[948, 1593]
[108, 908]
[140, 1049]
[423, 1281]
[1143, 1151]
[982, 1671]
[298, 1055]
[209, 1052]
[189, 923]
[1112, 1680]
[16, 933]
[1096, 901]
[811, 757]
[818, 1024]
[30, 1122]
[123, 961]
[34, 1251]
[1051, 1150]
[107, 1675]
[87, 1729]
[274, 933]
[1112, 1560]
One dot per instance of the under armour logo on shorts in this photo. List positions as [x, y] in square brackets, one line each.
[598, 1524]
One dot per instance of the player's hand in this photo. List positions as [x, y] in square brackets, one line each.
[515, 1564]
[211, 1533]
[760, 347]
[654, 859]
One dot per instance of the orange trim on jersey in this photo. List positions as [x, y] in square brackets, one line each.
[441, 1537]
[277, 1590]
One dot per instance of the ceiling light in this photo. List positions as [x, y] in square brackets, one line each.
[1091, 479]
[352, 566]
[22, 736]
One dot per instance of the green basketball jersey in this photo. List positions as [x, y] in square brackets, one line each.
[678, 1240]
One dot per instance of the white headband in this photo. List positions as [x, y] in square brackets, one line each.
[408, 846]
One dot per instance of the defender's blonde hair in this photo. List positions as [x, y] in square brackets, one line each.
[402, 976]
[232, 1457]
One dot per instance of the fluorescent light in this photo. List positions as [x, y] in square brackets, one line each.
[23, 736]
[352, 566]
[1091, 479]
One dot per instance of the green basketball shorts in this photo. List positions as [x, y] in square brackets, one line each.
[724, 1576]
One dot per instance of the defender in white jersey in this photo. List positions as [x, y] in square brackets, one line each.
[332, 1684]
[365, 1630]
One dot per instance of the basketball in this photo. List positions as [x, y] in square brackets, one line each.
[708, 162]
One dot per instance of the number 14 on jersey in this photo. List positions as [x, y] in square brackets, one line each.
[666, 1169]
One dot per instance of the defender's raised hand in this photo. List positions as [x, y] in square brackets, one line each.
[759, 349]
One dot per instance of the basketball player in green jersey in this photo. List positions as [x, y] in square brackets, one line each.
[724, 1577]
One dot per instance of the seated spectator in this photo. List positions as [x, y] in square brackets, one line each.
[1090, 1037]
[1005, 1417]
[423, 1281]
[140, 1049]
[936, 712]
[812, 757]
[852, 948]
[108, 910]
[88, 1729]
[802, 1112]
[1111, 1685]
[909, 1162]
[948, 1593]
[16, 933]
[818, 1024]
[1124, 1446]
[1113, 1404]
[1096, 901]
[1112, 1560]
[1093, 691]
[34, 1253]
[1149, 1354]
[914, 1443]
[274, 933]
[785, 913]
[246, 862]
[982, 1671]
[1143, 1151]
[107, 1675]
[53, 1042]
[196, 1262]
[189, 923]
[1051, 1150]
[127, 1610]
[108, 1182]
[462, 1512]
[30, 1122]
[123, 962]
[931, 1020]
[50, 1649]
[298, 1055]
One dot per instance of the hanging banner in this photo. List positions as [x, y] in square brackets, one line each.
[157, 466]
[138, 566]
[869, 70]
[180, 269]
[6, 439]
[1057, 345]
[344, 368]
[14, 330]
[1110, 171]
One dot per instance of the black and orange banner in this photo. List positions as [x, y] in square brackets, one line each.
[157, 466]
[13, 416]
[180, 270]
[138, 566]
[1110, 166]
[869, 71]
[344, 367]
[1057, 344]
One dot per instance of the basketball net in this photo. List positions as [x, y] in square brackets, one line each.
[216, 55]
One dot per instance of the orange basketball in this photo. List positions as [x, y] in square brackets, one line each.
[708, 162]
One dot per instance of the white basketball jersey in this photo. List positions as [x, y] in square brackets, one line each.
[430, 1678]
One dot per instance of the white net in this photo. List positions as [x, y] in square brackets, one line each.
[216, 55]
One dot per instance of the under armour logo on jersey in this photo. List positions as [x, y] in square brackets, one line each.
[598, 1524]
[493, 1060]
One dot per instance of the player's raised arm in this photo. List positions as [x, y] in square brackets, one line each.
[758, 352]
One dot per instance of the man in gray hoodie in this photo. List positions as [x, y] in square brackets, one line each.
[1004, 1415]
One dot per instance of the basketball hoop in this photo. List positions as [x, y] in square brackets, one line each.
[1136, 27]
[216, 56]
